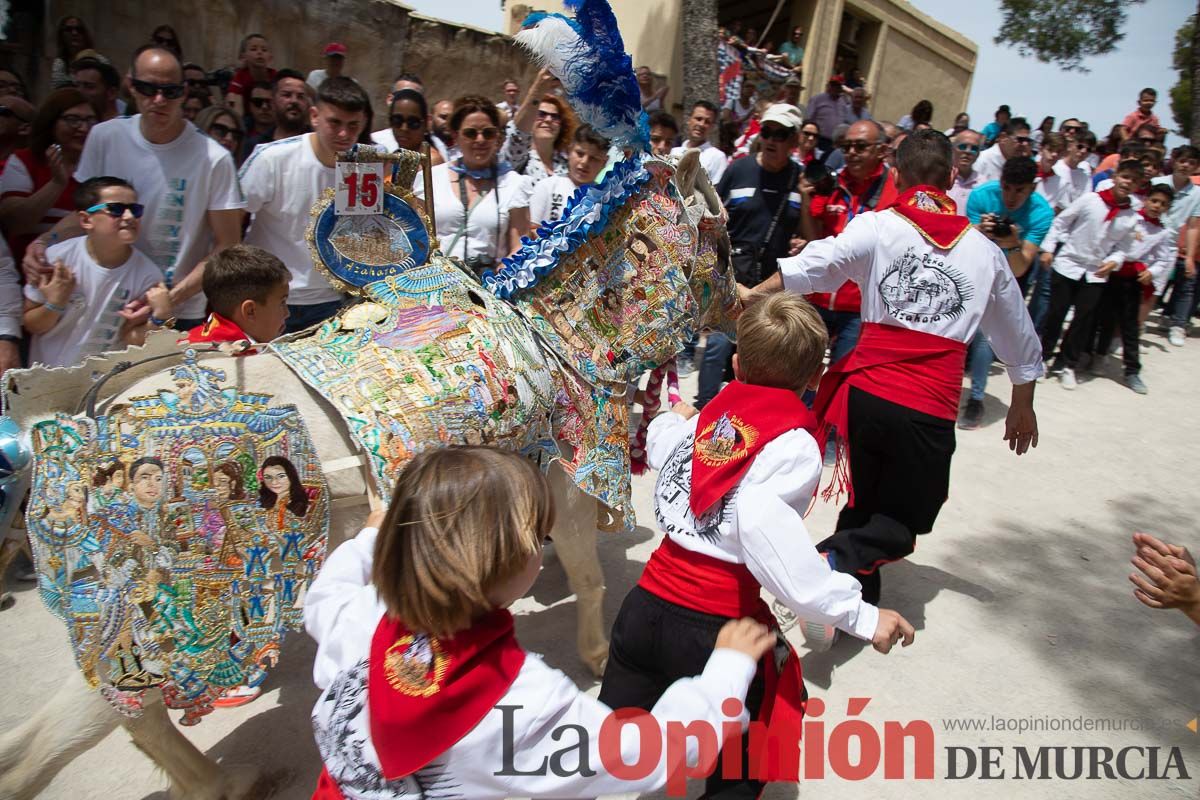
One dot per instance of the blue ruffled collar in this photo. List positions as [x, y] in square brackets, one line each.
[495, 169]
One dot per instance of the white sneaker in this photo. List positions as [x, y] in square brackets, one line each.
[1067, 379]
[818, 636]
[1176, 336]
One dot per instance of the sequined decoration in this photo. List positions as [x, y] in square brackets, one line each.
[176, 537]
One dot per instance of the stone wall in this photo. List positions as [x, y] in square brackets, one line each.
[383, 38]
[455, 60]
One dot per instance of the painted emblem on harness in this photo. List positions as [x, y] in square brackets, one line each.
[416, 665]
[727, 439]
[924, 289]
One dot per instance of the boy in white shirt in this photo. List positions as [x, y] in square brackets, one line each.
[1146, 266]
[589, 154]
[80, 308]
[733, 487]
[1052, 184]
[1096, 232]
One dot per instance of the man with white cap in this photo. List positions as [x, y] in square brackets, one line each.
[335, 63]
[762, 197]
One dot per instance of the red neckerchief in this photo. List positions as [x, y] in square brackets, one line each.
[1043, 174]
[218, 329]
[424, 694]
[1150, 219]
[933, 214]
[1114, 207]
[733, 427]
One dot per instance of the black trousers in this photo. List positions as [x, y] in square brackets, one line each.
[1064, 293]
[900, 470]
[655, 643]
[1120, 304]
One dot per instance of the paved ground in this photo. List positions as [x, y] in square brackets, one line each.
[1020, 598]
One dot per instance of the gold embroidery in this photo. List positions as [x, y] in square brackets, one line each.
[416, 665]
[728, 438]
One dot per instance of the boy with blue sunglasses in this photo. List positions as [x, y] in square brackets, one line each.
[82, 307]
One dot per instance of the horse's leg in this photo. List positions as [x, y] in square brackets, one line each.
[574, 537]
[193, 775]
[73, 721]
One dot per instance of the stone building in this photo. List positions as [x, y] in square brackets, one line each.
[383, 37]
[903, 54]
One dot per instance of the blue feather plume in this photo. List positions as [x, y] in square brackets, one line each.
[588, 55]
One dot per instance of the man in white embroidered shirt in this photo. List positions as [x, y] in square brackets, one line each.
[929, 281]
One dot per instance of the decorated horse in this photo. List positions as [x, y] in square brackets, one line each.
[179, 511]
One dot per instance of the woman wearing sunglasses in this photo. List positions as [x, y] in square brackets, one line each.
[409, 125]
[222, 125]
[73, 38]
[480, 203]
[37, 187]
[540, 133]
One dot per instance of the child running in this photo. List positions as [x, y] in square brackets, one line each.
[423, 682]
[733, 487]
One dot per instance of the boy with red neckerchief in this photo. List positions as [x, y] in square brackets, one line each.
[247, 291]
[1150, 256]
[930, 281]
[733, 487]
[423, 682]
[1095, 231]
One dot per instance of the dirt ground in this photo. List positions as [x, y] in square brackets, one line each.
[1020, 597]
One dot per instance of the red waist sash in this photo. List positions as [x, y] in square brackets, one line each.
[724, 589]
[1131, 269]
[911, 368]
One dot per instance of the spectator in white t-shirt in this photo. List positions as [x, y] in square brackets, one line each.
[699, 123]
[512, 98]
[587, 156]
[82, 307]
[282, 180]
[186, 181]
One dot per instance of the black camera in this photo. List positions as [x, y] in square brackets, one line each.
[1002, 227]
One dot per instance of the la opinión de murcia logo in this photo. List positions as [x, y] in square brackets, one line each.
[854, 749]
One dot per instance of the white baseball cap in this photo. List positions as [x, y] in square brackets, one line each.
[784, 114]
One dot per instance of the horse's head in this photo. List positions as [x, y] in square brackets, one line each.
[711, 274]
[607, 284]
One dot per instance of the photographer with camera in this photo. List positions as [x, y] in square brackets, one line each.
[762, 196]
[1017, 219]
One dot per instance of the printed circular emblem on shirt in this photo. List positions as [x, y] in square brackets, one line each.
[923, 288]
[362, 249]
[416, 665]
[727, 439]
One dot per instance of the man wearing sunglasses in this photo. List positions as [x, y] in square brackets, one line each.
[1012, 140]
[187, 182]
[967, 144]
[282, 180]
[865, 184]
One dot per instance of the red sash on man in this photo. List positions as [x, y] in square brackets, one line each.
[424, 694]
[1114, 207]
[917, 370]
[733, 427]
[711, 586]
[218, 329]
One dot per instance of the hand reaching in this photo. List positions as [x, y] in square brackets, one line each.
[746, 636]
